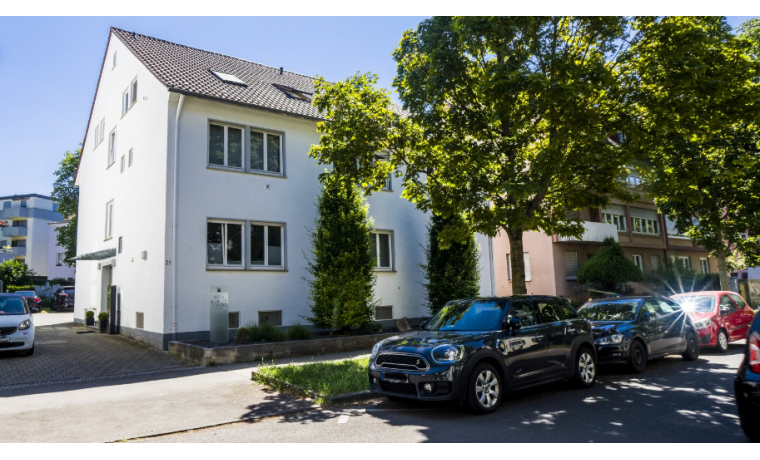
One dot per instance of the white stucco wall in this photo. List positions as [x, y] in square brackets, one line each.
[54, 270]
[138, 193]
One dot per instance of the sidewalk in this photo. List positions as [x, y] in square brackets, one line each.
[147, 405]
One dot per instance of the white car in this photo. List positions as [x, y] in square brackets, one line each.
[16, 325]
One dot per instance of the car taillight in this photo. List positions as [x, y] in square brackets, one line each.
[36, 299]
[754, 352]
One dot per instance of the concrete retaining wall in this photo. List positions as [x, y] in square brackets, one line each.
[255, 352]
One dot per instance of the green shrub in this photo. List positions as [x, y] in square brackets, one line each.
[609, 269]
[46, 302]
[11, 288]
[269, 333]
[299, 332]
[243, 335]
[102, 316]
[89, 314]
[62, 281]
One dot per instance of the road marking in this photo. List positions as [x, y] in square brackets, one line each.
[52, 342]
[344, 416]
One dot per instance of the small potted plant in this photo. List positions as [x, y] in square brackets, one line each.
[89, 318]
[103, 319]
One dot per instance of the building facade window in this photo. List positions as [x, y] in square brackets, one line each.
[225, 146]
[125, 101]
[130, 158]
[112, 148]
[381, 243]
[100, 133]
[123, 163]
[273, 317]
[109, 220]
[526, 261]
[233, 318]
[133, 92]
[265, 152]
[646, 226]
[383, 312]
[684, 262]
[639, 262]
[571, 265]
[60, 257]
[704, 265]
[224, 243]
[227, 244]
[266, 245]
[616, 220]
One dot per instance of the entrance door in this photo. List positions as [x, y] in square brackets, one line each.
[105, 287]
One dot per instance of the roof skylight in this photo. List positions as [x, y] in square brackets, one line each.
[227, 78]
[292, 92]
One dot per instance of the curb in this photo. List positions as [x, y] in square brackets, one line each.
[297, 390]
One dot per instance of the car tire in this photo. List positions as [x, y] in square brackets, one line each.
[692, 348]
[585, 368]
[28, 352]
[752, 431]
[722, 342]
[484, 389]
[637, 357]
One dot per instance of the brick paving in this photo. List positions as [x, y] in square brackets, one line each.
[62, 355]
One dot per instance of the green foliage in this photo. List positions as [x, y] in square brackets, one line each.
[299, 332]
[67, 198]
[507, 123]
[342, 265]
[750, 30]
[89, 314]
[12, 288]
[267, 333]
[695, 120]
[327, 378]
[46, 301]
[675, 278]
[609, 269]
[102, 316]
[243, 335]
[452, 272]
[62, 281]
[16, 273]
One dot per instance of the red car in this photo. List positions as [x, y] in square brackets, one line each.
[719, 316]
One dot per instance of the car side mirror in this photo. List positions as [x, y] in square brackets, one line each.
[724, 310]
[514, 323]
[423, 324]
[647, 317]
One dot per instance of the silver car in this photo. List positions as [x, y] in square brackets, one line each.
[16, 325]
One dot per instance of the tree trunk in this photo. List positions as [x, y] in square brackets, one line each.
[722, 269]
[517, 261]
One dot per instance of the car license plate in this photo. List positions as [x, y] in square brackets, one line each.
[395, 377]
[5, 339]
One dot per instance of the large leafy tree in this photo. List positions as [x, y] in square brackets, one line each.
[451, 273]
[342, 266]
[506, 122]
[696, 110]
[67, 198]
[750, 30]
[15, 273]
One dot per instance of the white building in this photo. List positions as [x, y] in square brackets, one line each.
[195, 173]
[27, 232]
[56, 255]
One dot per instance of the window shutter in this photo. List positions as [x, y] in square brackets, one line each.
[571, 264]
[526, 258]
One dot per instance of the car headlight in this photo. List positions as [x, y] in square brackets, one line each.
[378, 345]
[448, 353]
[609, 339]
[24, 325]
[702, 323]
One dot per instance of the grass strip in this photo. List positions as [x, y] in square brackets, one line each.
[327, 378]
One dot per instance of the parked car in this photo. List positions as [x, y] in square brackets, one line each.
[32, 300]
[719, 316]
[63, 298]
[16, 324]
[634, 330]
[747, 385]
[475, 350]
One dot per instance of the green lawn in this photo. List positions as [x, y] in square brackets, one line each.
[328, 378]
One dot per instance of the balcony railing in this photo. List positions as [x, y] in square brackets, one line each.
[11, 212]
[13, 231]
[593, 232]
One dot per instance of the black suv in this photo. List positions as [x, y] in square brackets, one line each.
[747, 384]
[474, 350]
[634, 330]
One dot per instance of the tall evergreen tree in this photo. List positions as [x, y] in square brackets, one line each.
[342, 266]
[451, 272]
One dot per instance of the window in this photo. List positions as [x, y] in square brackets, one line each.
[684, 261]
[129, 161]
[571, 265]
[726, 306]
[139, 320]
[549, 312]
[704, 264]
[292, 92]
[120, 244]
[123, 162]
[383, 312]
[740, 303]
[654, 261]
[100, 132]
[112, 148]
[271, 317]
[227, 78]
[266, 245]
[266, 152]
[125, 101]
[614, 219]
[109, 220]
[224, 243]
[387, 184]
[225, 146]
[60, 258]
[234, 319]
[638, 261]
[647, 226]
[526, 261]
[133, 92]
[381, 249]
[634, 181]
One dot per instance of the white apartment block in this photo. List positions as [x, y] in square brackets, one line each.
[195, 173]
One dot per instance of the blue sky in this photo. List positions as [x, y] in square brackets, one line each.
[49, 68]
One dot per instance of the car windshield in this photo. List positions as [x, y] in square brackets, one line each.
[697, 303]
[26, 293]
[468, 315]
[68, 290]
[11, 306]
[613, 310]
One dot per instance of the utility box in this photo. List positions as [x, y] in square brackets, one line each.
[219, 302]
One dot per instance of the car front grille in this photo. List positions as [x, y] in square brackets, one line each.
[396, 387]
[7, 330]
[402, 361]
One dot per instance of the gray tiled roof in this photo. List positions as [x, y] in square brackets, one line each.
[187, 70]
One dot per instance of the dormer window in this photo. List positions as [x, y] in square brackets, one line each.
[293, 93]
[227, 78]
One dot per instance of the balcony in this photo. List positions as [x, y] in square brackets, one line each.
[13, 212]
[19, 251]
[593, 232]
[13, 231]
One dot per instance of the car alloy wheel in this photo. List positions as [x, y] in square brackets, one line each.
[722, 341]
[484, 393]
[692, 348]
[586, 368]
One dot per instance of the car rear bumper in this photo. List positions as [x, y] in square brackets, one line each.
[747, 390]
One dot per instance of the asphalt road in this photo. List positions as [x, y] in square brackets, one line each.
[672, 401]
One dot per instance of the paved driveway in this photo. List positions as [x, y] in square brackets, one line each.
[67, 352]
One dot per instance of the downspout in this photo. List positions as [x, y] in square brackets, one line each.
[174, 216]
[490, 263]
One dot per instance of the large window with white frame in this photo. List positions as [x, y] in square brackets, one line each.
[265, 151]
[614, 219]
[639, 262]
[704, 265]
[382, 249]
[133, 92]
[526, 262]
[112, 147]
[125, 101]
[646, 226]
[266, 245]
[100, 133]
[109, 220]
[225, 145]
[224, 243]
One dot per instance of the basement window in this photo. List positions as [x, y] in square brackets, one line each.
[271, 317]
[227, 78]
